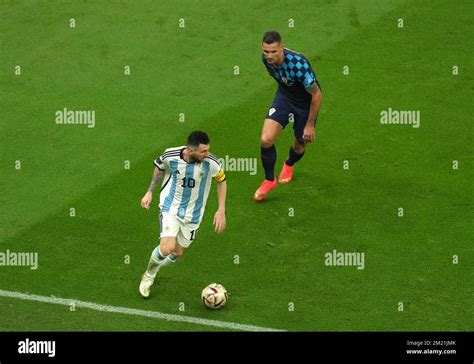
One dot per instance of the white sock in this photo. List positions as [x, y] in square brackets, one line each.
[154, 263]
[171, 258]
[158, 260]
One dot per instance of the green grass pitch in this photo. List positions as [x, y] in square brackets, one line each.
[345, 196]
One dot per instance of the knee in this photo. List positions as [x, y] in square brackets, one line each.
[166, 247]
[165, 250]
[266, 141]
[177, 252]
[299, 148]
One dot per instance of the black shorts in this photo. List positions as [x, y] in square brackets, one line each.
[284, 111]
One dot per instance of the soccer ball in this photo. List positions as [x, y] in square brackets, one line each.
[214, 296]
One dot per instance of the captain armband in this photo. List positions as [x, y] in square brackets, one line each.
[220, 177]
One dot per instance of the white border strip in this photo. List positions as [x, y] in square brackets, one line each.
[133, 311]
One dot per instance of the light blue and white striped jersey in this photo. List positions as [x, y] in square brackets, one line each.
[186, 185]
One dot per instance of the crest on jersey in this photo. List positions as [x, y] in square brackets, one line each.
[285, 81]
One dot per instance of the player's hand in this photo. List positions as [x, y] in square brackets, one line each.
[308, 134]
[146, 200]
[219, 221]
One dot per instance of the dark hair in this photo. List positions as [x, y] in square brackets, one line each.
[196, 138]
[271, 37]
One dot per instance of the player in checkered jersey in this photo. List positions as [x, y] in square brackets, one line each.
[188, 172]
[297, 99]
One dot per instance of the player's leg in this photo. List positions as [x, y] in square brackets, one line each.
[276, 120]
[270, 131]
[298, 148]
[171, 252]
[296, 153]
[178, 251]
[186, 235]
[162, 255]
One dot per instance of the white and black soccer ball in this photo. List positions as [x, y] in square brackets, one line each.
[214, 296]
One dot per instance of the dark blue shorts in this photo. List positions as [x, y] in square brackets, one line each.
[284, 111]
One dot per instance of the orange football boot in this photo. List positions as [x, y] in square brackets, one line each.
[286, 174]
[264, 188]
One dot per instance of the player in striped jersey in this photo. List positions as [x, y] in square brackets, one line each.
[188, 172]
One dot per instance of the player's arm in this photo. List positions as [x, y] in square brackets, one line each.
[157, 176]
[316, 99]
[219, 216]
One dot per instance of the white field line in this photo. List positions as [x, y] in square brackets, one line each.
[132, 311]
